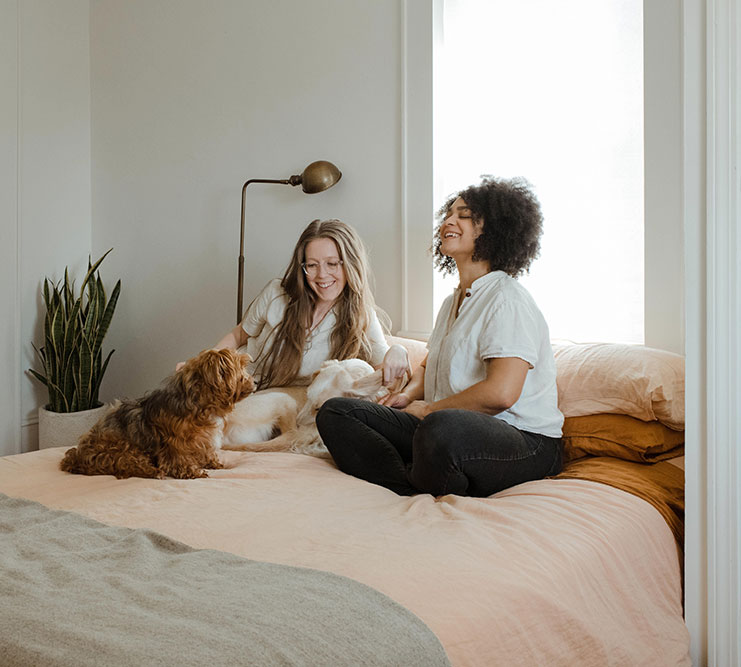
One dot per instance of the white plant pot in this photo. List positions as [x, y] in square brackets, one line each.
[63, 429]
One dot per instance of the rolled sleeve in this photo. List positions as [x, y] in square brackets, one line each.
[510, 331]
[257, 312]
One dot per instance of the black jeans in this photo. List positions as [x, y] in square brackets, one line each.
[450, 451]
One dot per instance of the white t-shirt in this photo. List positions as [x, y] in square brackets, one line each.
[265, 314]
[498, 318]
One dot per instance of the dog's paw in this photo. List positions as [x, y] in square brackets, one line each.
[194, 473]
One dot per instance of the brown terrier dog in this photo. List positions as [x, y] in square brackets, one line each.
[174, 430]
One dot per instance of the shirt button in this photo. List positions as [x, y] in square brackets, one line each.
[468, 293]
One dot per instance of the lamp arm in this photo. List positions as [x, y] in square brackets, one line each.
[294, 180]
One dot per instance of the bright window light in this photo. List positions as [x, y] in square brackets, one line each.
[553, 92]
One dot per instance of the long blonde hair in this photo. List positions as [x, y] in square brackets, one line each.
[281, 364]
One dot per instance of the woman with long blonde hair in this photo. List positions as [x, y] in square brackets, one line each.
[321, 309]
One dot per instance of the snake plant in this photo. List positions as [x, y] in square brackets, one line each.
[74, 327]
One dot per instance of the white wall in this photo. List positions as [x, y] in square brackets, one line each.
[421, 26]
[189, 100]
[663, 234]
[45, 173]
[10, 412]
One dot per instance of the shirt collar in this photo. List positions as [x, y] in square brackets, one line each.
[491, 277]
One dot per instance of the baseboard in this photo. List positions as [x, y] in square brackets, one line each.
[30, 436]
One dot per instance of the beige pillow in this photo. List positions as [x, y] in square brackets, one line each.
[613, 378]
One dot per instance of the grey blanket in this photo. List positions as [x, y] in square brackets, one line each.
[74, 591]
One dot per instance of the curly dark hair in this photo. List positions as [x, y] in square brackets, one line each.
[512, 225]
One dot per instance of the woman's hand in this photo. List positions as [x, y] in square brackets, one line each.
[401, 397]
[395, 364]
[399, 400]
[419, 409]
[179, 365]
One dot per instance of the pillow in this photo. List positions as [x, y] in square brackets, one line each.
[620, 436]
[416, 349]
[633, 380]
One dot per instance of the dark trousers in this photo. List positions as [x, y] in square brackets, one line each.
[450, 451]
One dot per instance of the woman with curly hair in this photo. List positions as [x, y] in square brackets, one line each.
[322, 309]
[480, 414]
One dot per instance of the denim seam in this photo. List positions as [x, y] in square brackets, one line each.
[494, 458]
[447, 478]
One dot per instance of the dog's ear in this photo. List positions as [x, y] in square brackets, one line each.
[206, 370]
[366, 386]
[222, 374]
[219, 362]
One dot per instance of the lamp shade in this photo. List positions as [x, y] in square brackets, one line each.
[318, 176]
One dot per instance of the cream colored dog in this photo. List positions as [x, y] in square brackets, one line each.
[291, 411]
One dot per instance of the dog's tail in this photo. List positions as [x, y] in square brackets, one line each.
[96, 455]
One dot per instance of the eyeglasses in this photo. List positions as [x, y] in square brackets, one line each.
[311, 269]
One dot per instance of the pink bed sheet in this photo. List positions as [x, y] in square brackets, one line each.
[552, 572]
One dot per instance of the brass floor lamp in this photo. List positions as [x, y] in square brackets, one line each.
[317, 177]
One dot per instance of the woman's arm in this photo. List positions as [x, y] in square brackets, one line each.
[234, 339]
[254, 318]
[505, 378]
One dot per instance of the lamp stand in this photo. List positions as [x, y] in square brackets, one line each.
[317, 177]
[294, 180]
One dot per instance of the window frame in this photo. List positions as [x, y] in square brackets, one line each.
[422, 31]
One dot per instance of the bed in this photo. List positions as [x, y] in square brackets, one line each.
[297, 563]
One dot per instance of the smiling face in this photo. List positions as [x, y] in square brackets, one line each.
[324, 270]
[459, 231]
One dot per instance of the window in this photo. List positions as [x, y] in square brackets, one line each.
[553, 91]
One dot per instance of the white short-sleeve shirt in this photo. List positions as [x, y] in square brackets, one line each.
[498, 318]
[265, 314]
